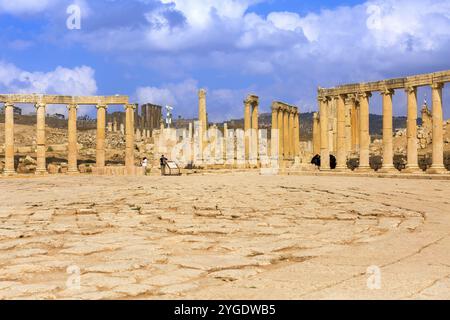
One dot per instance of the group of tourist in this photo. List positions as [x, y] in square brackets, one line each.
[162, 161]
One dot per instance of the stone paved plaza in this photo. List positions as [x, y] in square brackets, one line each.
[231, 236]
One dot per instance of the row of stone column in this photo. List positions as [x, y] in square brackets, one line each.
[285, 126]
[357, 138]
[41, 148]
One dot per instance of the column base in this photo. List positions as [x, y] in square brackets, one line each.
[325, 169]
[73, 172]
[41, 172]
[9, 173]
[342, 169]
[412, 169]
[363, 169]
[388, 169]
[437, 170]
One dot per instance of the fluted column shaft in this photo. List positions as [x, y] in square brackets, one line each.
[286, 133]
[316, 134]
[341, 152]
[101, 126]
[348, 124]
[72, 140]
[438, 141]
[291, 135]
[41, 148]
[296, 135]
[411, 131]
[281, 133]
[247, 128]
[9, 140]
[364, 153]
[129, 137]
[388, 152]
[274, 134]
[324, 144]
[355, 127]
[255, 131]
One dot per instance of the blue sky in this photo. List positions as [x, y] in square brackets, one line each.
[163, 51]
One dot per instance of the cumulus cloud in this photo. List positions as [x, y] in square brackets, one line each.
[76, 81]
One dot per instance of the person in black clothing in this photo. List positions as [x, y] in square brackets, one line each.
[316, 161]
[163, 163]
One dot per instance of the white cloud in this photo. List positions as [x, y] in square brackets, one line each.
[18, 7]
[77, 81]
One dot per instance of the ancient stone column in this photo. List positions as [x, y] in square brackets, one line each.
[296, 134]
[286, 133]
[41, 148]
[355, 126]
[122, 129]
[274, 140]
[388, 152]
[316, 134]
[202, 110]
[291, 134]
[247, 127]
[411, 131]
[110, 127]
[72, 140]
[364, 137]
[9, 140]
[281, 154]
[255, 130]
[115, 125]
[225, 141]
[324, 145]
[129, 138]
[101, 125]
[438, 141]
[349, 101]
[341, 152]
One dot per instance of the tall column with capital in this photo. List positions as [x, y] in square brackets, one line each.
[286, 133]
[247, 127]
[388, 152]
[411, 131]
[291, 134]
[324, 144]
[341, 152]
[72, 140]
[355, 126]
[296, 134]
[438, 141]
[9, 140]
[281, 155]
[202, 113]
[129, 138]
[41, 149]
[316, 134]
[364, 138]
[101, 126]
[274, 139]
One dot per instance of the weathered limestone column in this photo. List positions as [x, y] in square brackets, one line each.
[115, 125]
[296, 134]
[129, 137]
[9, 140]
[388, 152]
[291, 134]
[438, 142]
[364, 153]
[247, 127]
[72, 140]
[355, 127]
[341, 152]
[225, 141]
[286, 133]
[255, 130]
[101, 125]
[281, 155]
[202, 110]
[274, 138]
[41, 149]
[324, 145]
[411, 131]
[349, 101]
[316, 133]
